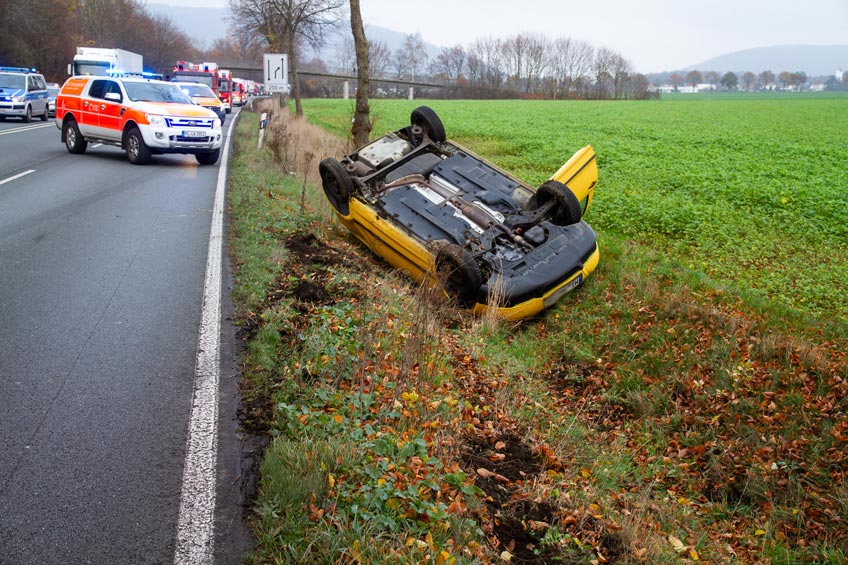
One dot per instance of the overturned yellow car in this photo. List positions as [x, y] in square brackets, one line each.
[448, 217]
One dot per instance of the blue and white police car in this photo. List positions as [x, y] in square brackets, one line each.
[23, 94]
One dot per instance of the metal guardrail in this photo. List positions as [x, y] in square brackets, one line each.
[350, 78]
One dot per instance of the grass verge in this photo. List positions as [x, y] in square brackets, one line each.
[653, 416]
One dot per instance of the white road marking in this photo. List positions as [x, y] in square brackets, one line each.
[196, 524]
[17, 176]
[27, 128]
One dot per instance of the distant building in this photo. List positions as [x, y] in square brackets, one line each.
[839, 74]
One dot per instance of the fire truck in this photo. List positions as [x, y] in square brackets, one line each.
[239, 92]
[225, 85]
[204, 73]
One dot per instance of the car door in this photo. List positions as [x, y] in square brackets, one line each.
[32, 96]
[111, 110]
[89, 123]
[41, 89]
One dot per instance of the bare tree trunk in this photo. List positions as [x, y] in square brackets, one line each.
[361, 118]
[298, 107]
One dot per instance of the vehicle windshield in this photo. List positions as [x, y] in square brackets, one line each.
[156, 92]
[197, 90]
[91, 68]
[53, 91]
[12, 81]
[203, 78]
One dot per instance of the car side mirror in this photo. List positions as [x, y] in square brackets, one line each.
[113, 96]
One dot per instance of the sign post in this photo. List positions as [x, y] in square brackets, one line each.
[263, 121]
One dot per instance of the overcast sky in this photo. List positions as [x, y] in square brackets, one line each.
[654, 35]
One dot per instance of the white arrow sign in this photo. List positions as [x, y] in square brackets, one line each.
[276, 69]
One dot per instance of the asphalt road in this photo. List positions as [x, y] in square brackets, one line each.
[101, 281]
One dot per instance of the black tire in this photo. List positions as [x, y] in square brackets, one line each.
[46, 113]
[208, 158]
[566, 210]
[73, 138]
[28, 115]
[425, 117]
[457, 272]
[337, 184]
[138, 152]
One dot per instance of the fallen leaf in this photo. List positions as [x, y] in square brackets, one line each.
[485, 473]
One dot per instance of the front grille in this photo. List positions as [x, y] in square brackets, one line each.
[182, 139]
[189, 122]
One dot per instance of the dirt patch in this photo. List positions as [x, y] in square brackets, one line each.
[304, 278]
[308, 249]
[506, 455]
[500, 464]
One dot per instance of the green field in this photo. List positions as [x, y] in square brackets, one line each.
[752, 191]
[689, 402]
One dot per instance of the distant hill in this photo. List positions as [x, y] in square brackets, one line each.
[205, 25]
[815, 60]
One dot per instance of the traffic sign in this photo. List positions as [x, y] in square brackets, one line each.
[276, 69]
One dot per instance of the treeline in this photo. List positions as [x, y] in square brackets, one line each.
[524, 65]
[45, 34]
[745, 81]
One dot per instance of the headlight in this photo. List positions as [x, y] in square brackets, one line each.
[216, 123]
[155, 120]
[18, 98]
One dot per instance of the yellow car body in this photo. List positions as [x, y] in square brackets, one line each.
[371, 220]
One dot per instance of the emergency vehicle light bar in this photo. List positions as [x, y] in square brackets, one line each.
[17, 70]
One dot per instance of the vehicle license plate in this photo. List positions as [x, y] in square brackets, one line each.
[194, 133]
[562, 291]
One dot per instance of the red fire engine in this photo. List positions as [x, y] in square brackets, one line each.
[204, 73]
[225, 92]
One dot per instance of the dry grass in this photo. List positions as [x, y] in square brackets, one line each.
[295, 143]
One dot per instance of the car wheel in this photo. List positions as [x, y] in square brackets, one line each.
[137, 151]
[28, 115]
[428, 120]
[73, 138]
[566, 209]
[457, 272]
[337, 184]
[46, 114]
[208, 158]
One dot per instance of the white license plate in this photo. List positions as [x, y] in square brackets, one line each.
[562, 291]
[194, 133]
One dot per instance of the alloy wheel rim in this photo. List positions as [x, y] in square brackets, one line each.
[132, 146]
